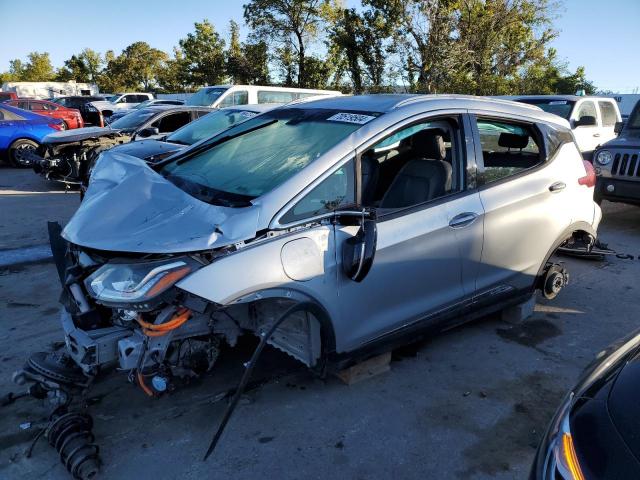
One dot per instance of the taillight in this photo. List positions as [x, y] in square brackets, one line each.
[56, 126]
[589, 180]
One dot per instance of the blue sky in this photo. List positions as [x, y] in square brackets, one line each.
[602, 36]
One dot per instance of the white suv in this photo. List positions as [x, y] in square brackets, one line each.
[593, 119]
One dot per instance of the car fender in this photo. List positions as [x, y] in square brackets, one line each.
[296, 267]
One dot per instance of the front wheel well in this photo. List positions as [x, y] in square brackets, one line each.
[307, 336]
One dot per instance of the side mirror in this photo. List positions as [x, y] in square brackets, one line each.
[358, 251]
[617, 128]
[148, 132]
[586, 121]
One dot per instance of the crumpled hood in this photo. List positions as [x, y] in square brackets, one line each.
[129, 207]
[77, 134]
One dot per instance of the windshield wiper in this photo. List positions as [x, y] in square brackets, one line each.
[207, 145]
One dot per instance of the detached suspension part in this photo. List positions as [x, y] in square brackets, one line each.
[70, 434]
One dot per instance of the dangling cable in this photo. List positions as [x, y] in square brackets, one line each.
[249, 369]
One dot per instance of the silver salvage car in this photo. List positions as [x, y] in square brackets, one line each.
[385, 216]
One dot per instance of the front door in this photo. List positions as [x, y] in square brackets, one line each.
[413, 179]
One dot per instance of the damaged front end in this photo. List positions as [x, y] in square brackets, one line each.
[122, 306]
[69, 156]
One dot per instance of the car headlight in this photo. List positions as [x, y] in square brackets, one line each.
[560, 459]
[604, 157]
[136, 284]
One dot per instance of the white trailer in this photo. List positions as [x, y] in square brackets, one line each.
[42, 90]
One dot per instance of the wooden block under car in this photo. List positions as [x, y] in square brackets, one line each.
[367, 369]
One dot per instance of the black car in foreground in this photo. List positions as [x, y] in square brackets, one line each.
[617, 164]
[595, 434]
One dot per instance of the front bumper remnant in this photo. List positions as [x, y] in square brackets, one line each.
[92, 348]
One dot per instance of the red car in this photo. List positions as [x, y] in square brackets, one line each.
[4, 96]
[70, 116]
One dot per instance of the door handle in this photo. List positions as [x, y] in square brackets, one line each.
[556, 187]
[596, 134]
[462, 220]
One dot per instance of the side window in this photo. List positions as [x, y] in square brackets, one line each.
[7, 115]
[174, 121]
[130, 99]
[35, 106]
[235, 98]
[337, 190]
[507, 148]
[587, 109]
[608, 114]
[266, 96]
[413, 165]
[23, 105]
[142, 98]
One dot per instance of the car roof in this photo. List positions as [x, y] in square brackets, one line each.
[571, 98]
[414, 103]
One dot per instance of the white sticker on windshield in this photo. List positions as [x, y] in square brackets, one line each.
[558, 102]
[351, 118]
[247, 114]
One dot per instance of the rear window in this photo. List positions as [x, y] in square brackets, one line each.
[209, 125]
[258, 155]
[562, 108]
[133, 119]
[205, 97]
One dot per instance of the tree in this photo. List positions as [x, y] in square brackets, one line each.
[138, 66]
[291, 24]
[363, 41]
[172, 77]
[37, 69]
[204, 57]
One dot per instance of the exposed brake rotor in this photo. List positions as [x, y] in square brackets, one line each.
[58, 367]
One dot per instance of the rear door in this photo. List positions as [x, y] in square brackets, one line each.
[525, 192]
[10, 126]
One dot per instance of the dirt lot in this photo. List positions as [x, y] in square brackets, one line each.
[469, 404]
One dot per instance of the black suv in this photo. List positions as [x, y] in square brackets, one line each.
[617, 164]
[90, 114]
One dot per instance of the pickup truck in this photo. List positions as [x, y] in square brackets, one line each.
[592, 119]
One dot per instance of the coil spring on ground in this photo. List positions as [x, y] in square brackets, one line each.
[70, 434]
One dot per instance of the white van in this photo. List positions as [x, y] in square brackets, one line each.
[220, 96]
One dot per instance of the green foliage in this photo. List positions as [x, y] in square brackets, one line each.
[204, 56]
[482, 47]
[292, 25]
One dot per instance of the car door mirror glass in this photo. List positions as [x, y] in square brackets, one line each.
[359, 251]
